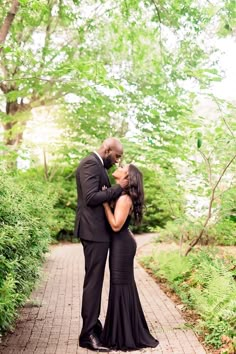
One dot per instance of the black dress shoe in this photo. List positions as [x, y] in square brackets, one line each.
[93, 343]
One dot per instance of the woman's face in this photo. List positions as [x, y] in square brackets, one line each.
[121, 172]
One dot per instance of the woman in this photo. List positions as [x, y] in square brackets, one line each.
[125, 325]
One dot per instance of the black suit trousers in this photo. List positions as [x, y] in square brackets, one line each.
[95, 254]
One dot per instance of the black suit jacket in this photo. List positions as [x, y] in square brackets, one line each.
[91, 223]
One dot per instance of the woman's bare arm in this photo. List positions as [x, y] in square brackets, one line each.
[121, 212]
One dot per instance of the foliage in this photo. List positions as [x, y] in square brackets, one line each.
[25, 207]
[105, 62]
[163, 200]
[184, 230]
[222, 233]
[130, 69]
[209, 207]
[205, 282]
[61, 193]
[125, 69]
[218, 174]
[65, 206]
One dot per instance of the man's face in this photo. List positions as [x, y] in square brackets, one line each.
[113, 157]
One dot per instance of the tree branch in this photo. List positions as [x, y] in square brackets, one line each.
[159, 23]
[208, 165]
[7, 22]
[223, 172]
[31, 78]
[227, 125]
[47, 34]
[37, 102]
[196, 240]
[4, 69]
[3, 87]
[227, 189]
[94, 17]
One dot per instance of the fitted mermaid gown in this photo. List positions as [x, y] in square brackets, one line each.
[125, 326]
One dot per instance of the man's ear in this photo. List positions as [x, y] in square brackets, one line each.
[107, 151]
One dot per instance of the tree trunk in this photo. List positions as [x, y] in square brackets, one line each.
[12, 138]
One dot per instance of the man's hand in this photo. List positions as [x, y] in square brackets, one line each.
[103, 189]
[124, 182]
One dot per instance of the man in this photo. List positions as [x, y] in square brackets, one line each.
[94, 232]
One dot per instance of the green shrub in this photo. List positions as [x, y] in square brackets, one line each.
[206, 283]
[223, 233]
[25, 209]
[62, 189]
[65, 207]
[221, 230]
[163, 201]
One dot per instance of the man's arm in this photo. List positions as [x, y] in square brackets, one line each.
[89, 180]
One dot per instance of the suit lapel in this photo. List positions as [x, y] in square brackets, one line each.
[107, 178]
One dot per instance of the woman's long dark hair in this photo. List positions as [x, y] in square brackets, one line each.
[136, 192]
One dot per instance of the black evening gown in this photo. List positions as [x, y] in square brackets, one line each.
[125, 326]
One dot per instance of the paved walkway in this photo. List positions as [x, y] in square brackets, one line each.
[50, 322]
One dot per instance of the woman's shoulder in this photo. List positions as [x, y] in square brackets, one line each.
[125, 202]
[125, 197]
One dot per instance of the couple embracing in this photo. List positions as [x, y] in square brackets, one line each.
[102, 220]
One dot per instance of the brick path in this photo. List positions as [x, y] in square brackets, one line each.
[50, 322]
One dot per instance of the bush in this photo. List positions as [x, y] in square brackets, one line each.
[64, 208]
[221, 233]
[163, 202]
[62, 189]
[162, 198]
[25, 220]
[205, 282]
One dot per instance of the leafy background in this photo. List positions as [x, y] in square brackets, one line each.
[73, 73]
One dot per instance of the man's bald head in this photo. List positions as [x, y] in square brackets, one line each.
[113, 143]
[111, 151]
